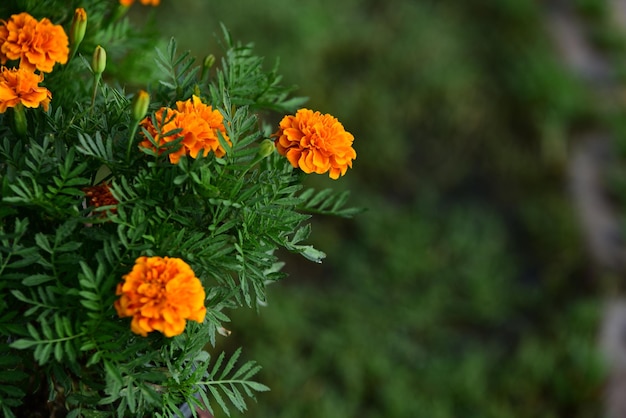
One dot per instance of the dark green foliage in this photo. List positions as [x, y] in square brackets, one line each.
[61, 258]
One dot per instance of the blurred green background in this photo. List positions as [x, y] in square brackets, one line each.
[465, 289]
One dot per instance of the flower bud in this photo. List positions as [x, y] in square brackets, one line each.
[79, 26]
[266, 147]
[207, 63]
[209, 60]
[140, 105]
[99, 60]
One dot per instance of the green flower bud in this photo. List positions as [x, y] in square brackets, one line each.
[209, 60]
[140, 105]
[266, 147]
[79, 26]
[99, 60]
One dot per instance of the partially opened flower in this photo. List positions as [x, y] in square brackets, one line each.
[78, 28]
[198, 126]
[315, 143]
[20, 86]
[37, 44]
[160, 293]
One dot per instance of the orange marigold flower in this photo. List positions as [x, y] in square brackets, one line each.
[100, 195]
[198, 124]
[144, 2]
[160, 293]
[37, 44]
[21, 86]
[315, 143]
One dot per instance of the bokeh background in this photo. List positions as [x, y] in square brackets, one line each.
[466, 288]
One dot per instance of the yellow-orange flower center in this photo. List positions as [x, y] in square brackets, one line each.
[160, 293]
[315, 143]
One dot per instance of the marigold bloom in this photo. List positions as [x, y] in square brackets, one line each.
[198, 124]
[144, 2]
[21, 86]
[315, 143]
[100, 195]
[160, 293]
[37, 44]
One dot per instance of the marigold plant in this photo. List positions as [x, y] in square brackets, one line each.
[160, 294]
[20, 86]
[316, 143]
[134, 217]
[36, 44]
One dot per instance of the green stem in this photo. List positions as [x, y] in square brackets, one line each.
[96, 82]
[131, 140]
[58, 340]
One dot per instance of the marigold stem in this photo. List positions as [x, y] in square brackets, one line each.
[96, 81]
[131, 139]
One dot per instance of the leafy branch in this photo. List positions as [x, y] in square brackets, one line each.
[234, 385]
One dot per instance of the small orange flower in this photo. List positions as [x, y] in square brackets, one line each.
[100, 195]
[21, 86]
[315, 143]
[144, 2]
[199, 124]
[160, 294]
[37, 44]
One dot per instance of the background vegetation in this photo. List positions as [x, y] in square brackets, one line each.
[464, 290]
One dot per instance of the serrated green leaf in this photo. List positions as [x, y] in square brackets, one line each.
[94, 359]
[43, 243]
[243, 369]
[114, 374]
[67, 325]
[46, 329]
[58, 326]
[37, 279]
[22, 344]
[130, 397]
[217, 365]
[234, 396]
[58, 352]
[257, 386]
[231, 363]
[91, 305]
[8, 376]
[89, 295]
[20, 296]
[44, 354]
[70, 246]
[24, 262]
[218, 398]
[32, 331]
